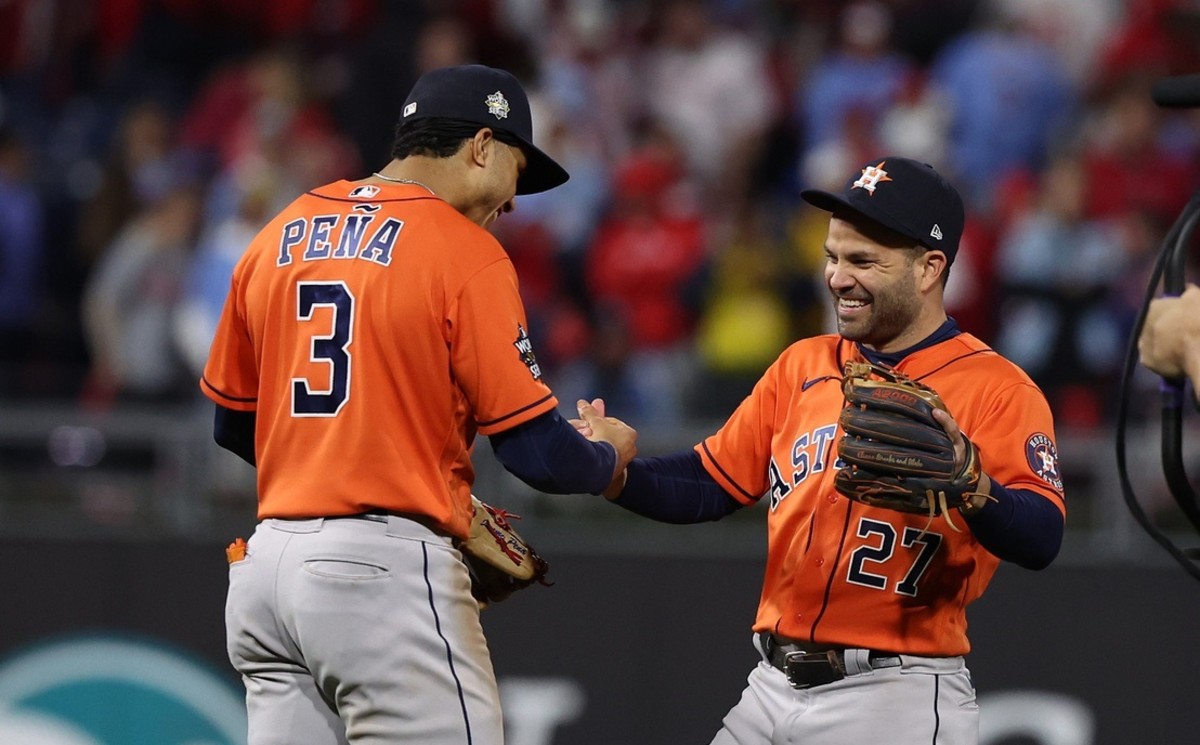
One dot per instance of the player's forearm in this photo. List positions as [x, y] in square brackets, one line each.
[674, 489]
[549, 455]
[1018, 526]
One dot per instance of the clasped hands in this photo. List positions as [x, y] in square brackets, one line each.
[595, 426]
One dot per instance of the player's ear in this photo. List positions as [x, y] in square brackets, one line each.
[482, 147]
[933, 266]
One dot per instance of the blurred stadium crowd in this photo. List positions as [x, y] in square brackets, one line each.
[143, 142]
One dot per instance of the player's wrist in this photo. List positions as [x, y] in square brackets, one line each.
[978, 499]
[616, 487]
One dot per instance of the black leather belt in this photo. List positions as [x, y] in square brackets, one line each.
[808, 665]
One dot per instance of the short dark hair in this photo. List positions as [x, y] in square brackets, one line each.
[439, 137]
[919, 250]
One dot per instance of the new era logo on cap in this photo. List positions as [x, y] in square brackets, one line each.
[410, 109]
[917, 202]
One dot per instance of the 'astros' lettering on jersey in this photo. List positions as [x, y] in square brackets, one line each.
[373, 330]
[840, 572]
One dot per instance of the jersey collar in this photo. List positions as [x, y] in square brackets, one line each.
[948, 330]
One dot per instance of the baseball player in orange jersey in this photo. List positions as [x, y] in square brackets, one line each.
[861, 625]
[371, 329]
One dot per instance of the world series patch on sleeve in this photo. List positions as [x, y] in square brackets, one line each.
[499, 559]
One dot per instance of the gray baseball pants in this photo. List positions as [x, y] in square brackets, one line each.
[923, 701]
[359, 631]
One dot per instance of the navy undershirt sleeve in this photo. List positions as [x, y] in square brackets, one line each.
[674, 489]
[234, 431]
[1020, 526]
[551, 456]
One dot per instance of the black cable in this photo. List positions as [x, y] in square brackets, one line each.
[1173, 389]
[1174, 240]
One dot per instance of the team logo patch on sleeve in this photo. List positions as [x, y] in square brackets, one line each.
[1043, 459]
[525, 348]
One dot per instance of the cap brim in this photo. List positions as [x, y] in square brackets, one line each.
[833, 203]
[541, 173]
[824, 200]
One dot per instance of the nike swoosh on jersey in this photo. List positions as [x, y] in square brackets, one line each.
[810, 383]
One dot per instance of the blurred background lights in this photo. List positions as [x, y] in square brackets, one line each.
[75, 446]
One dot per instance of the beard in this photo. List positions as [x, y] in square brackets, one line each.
[892, 310]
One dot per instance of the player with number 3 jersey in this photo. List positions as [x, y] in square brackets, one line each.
[353, 293]
[371, 330]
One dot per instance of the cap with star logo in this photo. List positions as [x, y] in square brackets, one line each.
[905, 196]
[492, 98]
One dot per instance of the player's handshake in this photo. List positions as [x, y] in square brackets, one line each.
[597, 427]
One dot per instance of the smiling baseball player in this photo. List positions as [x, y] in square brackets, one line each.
[902, 461]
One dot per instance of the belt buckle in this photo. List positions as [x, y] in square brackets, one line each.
[808, 669]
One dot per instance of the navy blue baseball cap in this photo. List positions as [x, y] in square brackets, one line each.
[490, 98]
[906, 196]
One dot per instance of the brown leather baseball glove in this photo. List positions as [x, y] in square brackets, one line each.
[896, 455]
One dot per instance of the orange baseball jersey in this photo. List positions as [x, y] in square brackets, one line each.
[373, 329]
[843, 573]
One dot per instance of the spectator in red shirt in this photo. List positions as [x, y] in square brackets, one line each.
[644, 266]
[1125, 167]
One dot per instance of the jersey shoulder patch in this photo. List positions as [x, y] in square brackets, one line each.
[1042, 457]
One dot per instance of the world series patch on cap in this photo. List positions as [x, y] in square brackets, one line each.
[905, 196]
[491, 98]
